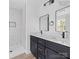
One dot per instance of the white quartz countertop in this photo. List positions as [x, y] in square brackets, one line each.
[53, 38]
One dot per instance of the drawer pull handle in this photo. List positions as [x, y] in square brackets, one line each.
[40, 49]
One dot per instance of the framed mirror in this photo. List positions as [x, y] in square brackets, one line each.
[44, 23]
[62, 19]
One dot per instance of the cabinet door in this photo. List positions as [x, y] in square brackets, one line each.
[41, 41]
[33, 46]
[64, 50]
[41, 56]
[41, 49]
[53, 55]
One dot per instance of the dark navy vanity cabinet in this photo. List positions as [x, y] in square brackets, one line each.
[33, 45]
[43, 49]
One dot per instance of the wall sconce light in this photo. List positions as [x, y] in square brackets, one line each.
[51, 23]
[49, 2]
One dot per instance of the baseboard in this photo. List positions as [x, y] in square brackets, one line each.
[27, 51]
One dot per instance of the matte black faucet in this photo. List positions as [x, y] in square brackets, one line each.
[63, 34]
[41, 32]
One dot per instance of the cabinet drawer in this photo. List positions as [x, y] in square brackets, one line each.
[41, 49]
[33, 39]
[52, 55]
[61, 49]
[41, 41]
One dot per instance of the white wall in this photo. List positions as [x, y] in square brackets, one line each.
[32, 18]
[23, 40]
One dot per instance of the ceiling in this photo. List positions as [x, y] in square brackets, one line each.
[18, 4]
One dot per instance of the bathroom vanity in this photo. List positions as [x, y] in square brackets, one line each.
[43, 47]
